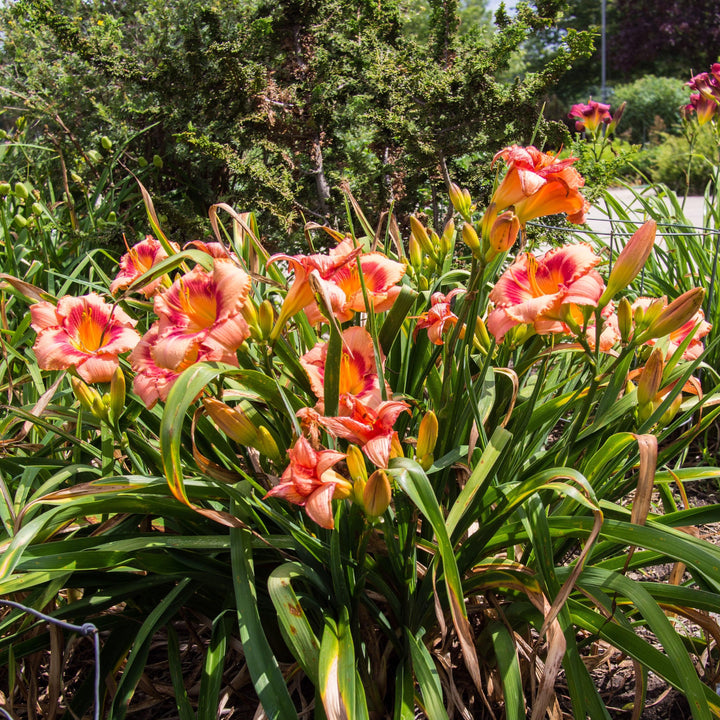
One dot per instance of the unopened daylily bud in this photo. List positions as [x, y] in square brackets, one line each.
[84, 393]
[266, 318]
[250, 315]
[644, 317]
[415, 252]
[482, 337]
[650, 378]
[461, 201]
[427, 434]
[630, 261]
[395, 446]
[419, 232]
[672, 411]
[423, 283]
[503, 233]
[677, 313]
[625, 320]
[21, 191]
[117, 393]
[616, 119]
[106, 142]
[377, 494]
[446, 239]
[356, 463]
[471, 239]
[232, 422]
[266, 444]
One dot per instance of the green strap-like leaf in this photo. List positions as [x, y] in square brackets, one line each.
[427, 678]
[396, 317]
[262, 664]
[509, 668]
[294, 624]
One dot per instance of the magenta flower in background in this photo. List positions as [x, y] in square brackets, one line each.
[590, 117]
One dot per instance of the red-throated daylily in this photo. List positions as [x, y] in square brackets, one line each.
[358, 374]
[140, 258]
[371, 429]
[439, 317]
[202, 306]
[310, 482]
[301, 292]
[538, 290]
[706, 108]
[153, 379]
[82, 332]
[591, 116]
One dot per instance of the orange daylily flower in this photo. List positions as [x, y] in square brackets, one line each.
[310, 482]
[439, 317]
[371, 429]
[358, 374]
[539, 291]
[85, 333]
[204, 307]
[140, 258]
[154, 379]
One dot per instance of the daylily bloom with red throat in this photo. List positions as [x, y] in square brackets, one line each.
[84, 332]
[205, 307]
[371, 429]
[301, 292]
[153, 379]
[590, 117]
[310, 482]
[140, 258]
[540, 291]
[439, 317]
[358, 374]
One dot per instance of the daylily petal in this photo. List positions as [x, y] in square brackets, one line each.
[319, 506]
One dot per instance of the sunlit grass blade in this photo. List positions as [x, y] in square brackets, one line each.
[211, 680]
[262, 664]
[427, 678]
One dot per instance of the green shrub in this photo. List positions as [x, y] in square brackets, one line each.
[653, 103]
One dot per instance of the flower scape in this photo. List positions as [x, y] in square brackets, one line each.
[416, 434]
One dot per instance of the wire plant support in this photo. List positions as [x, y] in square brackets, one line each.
[86, 630]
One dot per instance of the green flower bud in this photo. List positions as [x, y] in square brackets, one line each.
[21, 191]
[157, 162]
[106, 142]
[142, 162]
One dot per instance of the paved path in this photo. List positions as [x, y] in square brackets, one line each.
[693, 209]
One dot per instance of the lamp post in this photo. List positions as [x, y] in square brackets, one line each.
[603, 88]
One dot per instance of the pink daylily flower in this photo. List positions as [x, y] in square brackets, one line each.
[140, 258]
[537, 290]
[590, 117]
[371, 429]
[153, 380]
[85, 333]
[439, 317]
[205, 307]
[310, 482]
[358, 374]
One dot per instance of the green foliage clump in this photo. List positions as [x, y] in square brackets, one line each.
[653, 104]
[320, 92]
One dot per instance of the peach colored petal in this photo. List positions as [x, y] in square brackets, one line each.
[43, 315]
[319, 506]
[98, 368]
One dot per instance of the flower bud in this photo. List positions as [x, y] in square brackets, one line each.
[427, 434]
[4, 189]
[266, 445]
[84, 393]
[650, 378]
[461, 201]
[19, 221]
[142, 162]
[624, 316]
[672, 411]
[482, 337]
[471, 239]
[157, 162]
[418, 231]
[415, 252]
[377, 494]
[503, 233]
[446, 239]
[232, 422]
[117, 393]
[677, 313]
[616, 119]
[266, 318]
[106, 142]
[21, 191]
[37, 208]
[630, 261]
[358, 472]
[250, 315]
[395, 447]
[644, 317]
